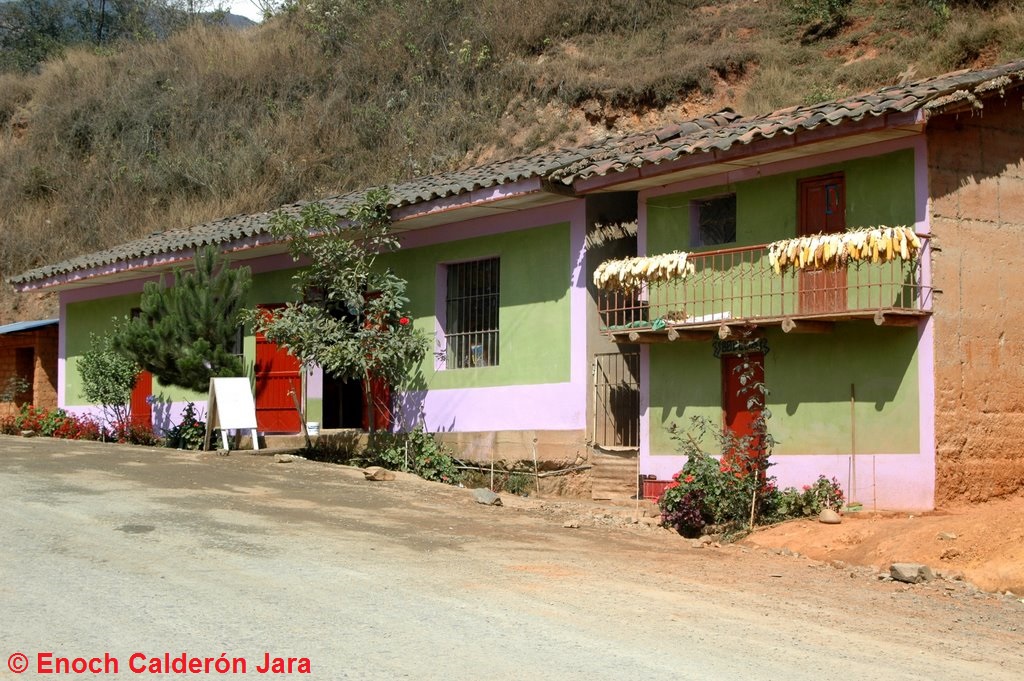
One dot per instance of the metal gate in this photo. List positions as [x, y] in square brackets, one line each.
[617, 399]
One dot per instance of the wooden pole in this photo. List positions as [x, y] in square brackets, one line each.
[853, 444]
[536, 470]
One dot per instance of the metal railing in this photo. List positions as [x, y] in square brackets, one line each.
[737, 285]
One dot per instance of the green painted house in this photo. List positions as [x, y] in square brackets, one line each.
[888, 372]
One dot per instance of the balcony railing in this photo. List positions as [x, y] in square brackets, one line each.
[737, 286]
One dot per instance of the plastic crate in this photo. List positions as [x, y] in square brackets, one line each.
[652, 488]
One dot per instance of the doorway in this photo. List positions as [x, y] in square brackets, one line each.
[343, 403]
[25, 369]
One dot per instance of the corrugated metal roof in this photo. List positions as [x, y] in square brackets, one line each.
[719, 131]
[26, 326]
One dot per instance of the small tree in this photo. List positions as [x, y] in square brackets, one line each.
[185, 333]
[13, 388]
[351, 322]
[107, 379]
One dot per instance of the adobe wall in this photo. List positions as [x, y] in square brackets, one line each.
[976, 177]
[44, 384]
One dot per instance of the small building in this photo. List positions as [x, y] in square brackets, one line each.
[28, 360]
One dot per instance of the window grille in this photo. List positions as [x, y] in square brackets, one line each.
[714, 221]
[471, 322]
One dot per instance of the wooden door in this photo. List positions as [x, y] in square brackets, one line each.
[376, 405]
[742, 402]
[141, 410]
[278, 377]
[822, 209]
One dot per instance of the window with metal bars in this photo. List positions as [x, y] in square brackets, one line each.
[471, 314]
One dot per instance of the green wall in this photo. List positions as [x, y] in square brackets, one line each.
[96, 317]
[808, 378]
[534, 313]
[879, 191]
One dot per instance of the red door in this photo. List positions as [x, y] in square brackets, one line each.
[376, 395]
[277, 379]
[742, 401]
[141, 409]
[377, 404]
[822, 209]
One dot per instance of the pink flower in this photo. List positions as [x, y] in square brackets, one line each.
[807, 488]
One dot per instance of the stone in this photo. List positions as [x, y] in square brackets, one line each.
[910, 573]
[570, 524]
[946, 536]
[284, 458]
[829, 517]
[378, 474]
[949, 554]
[28, 433]
[486, 497]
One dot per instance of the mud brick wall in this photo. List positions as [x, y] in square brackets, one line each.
[44, 379]
[976, 177]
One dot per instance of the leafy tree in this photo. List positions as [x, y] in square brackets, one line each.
[108, 378]
[34, 30]
[351, 322]
[185, 332]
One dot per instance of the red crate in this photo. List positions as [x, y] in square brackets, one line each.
[652, 488]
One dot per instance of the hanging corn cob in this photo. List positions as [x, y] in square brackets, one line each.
[633, 273]
[876, 244]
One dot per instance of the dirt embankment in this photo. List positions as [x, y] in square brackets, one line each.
[983, 542]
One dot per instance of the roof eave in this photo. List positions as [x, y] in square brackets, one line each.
[803, 141]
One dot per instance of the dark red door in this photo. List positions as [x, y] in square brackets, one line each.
[278, 377]
[141, 409]
[742, 400]
[822, 209]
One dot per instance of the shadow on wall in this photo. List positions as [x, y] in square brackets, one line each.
[799, 370]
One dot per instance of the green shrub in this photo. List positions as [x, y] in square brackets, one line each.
[416, 451]
[807, 503]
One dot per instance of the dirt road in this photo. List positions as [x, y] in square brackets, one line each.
[129, 551]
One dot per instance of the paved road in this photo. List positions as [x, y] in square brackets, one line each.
[126, 552]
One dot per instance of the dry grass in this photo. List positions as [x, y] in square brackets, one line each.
[97, 149]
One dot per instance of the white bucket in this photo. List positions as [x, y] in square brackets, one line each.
[313, 428]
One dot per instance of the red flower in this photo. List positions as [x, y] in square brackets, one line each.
[404, 321]
[807, 488]
[689, 478]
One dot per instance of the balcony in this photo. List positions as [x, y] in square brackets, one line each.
[738, 288]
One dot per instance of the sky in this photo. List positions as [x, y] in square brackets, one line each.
[246, 8]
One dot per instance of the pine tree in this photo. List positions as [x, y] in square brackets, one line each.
[185, 332]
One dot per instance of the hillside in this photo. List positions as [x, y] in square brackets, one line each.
[104, 145]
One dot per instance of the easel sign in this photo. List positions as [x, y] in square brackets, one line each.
[230, 406]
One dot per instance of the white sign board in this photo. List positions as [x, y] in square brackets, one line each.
[230, 406]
